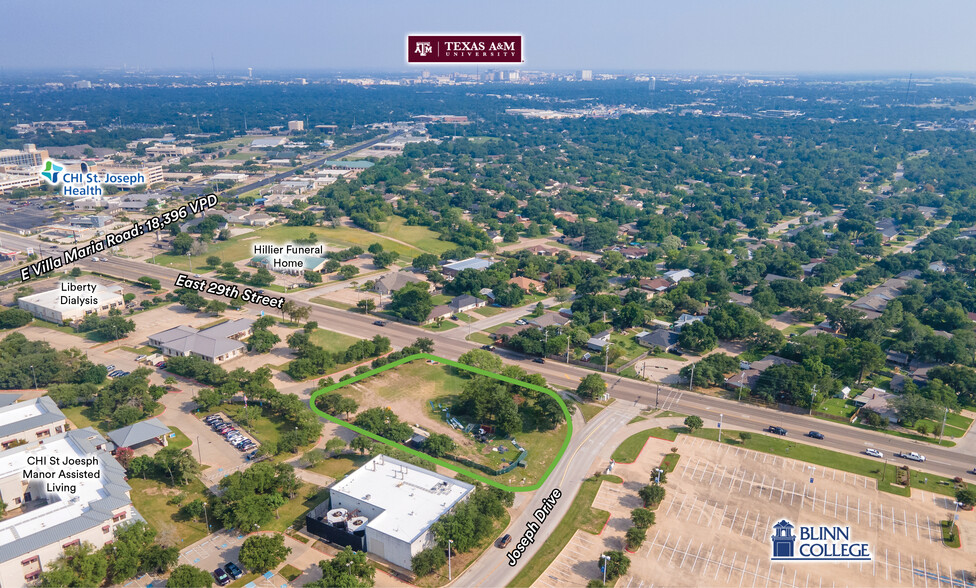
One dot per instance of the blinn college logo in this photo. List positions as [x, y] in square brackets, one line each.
[816, 543]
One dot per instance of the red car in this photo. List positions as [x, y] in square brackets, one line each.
[161, 364]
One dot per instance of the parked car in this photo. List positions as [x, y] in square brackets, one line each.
[488, 347]
[815, 435]
[221, 576]
[141, 357]
[234, 571]
[539, 360]
[252, 455]
[379, 323]
[161, 364]
[110, 367]
[211, 418]
[777, 430]
[521, 322]
[873, 452]
[124, 374]
[504, 541]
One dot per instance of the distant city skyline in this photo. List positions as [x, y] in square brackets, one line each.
[757, 36]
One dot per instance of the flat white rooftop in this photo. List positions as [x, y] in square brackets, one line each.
[61, 298]
[412, 498]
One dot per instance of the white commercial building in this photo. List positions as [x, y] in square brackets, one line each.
[30, 420]
[82, 498]
[72, 301]
[401, 501]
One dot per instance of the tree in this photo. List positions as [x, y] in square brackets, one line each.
[335, 445]
[642, 517]
[864, 357]
[592, 387]
[348, 271]
[635, 538]
[262, 341]
[261, 553]
[187, 576]
[694, 423]
[112, 328]
[312, 277]
[362, 444]
[215, 307]
[182, 244]
[966, 496]
[347, 569]
[412, 302]
[366, 305]
[81, 565]
[14, 317]
[482, 359]
[192, 300]
[651, 494]
[616, 566]
[698, 337]
[914, 407]
[428, 561]
[384, 259]
[425, 261]
[438, 444]
[213, 261]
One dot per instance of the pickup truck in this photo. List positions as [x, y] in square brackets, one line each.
[911, 455]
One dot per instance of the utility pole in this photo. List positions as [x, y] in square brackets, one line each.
[691, 380]
[813, 395]
[657, 396]
[450, 576]
[606, 357]
[945, 415]
[720, 428]
[741, 377]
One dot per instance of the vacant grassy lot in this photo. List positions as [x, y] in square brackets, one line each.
[341, 466]
[332, 341]
[240, 247]
[581, 515]
[420, 237]
[151, 500]
[838, 407]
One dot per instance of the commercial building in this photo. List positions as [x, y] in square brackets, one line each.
[476, 263]
[163, 150]
[29, 156]
[71, 301]
[30, 420]
[387, 508]
[296, 126]
[57, 512]
[217, 344]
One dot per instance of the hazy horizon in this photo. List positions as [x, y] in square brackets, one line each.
[832, 37]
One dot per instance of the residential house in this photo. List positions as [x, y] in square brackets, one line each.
[527, 284]
[749, 375]
[877, 400]
[599, 341]
[684, 319]
[392, 282]
[655, 285]
[465, 302]
[663, 339]
[678, 275]
[549, 319]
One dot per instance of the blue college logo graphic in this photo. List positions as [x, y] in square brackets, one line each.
[51, 171]
[816, 543]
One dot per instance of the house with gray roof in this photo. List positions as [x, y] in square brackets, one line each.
[393, 281]
[216, 344]
[663, 339]
[44, 518]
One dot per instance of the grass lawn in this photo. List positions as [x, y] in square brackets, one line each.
[244, 580]
[581, 515]
[151, 500]
[443, 326]
[838, 407]
[950, 533]
[626, 342]
[795, 330]
[80, 416]
[915, 436]
[439, 299]
[420, 237]
[934, 483]
[181, 441]
[341, 466]
[636, 419]
[490, 310]
[481, 338]
[631, 447]
[666, 355]
[292, 513]
[240, 247]
[591, 409]
[144, 350]
[290, 572]
[333, 303]
[332, 341]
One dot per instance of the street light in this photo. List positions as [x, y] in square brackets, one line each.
[720, 427]
[33, 373]
[449, 574]
[606, 561]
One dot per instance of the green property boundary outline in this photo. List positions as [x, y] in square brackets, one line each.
[436, 460]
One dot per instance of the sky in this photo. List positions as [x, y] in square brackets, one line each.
[728, 36]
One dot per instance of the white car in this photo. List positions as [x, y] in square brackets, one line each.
[873, 452]
[913, 456]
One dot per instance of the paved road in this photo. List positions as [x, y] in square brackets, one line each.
[941, 460]
[589, 444]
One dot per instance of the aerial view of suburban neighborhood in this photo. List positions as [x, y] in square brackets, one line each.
[509, 295]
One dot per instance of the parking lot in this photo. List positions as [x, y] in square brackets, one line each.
[715, 524]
